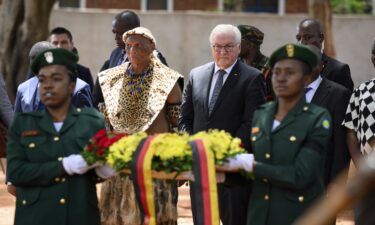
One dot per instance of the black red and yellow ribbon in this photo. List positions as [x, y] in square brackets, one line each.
[142, 181]
[205, 184]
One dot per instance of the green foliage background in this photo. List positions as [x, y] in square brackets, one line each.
[351, 6]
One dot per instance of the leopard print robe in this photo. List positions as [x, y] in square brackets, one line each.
[129, 113]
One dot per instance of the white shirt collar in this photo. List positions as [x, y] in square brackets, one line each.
[315, 84]
[228, 70]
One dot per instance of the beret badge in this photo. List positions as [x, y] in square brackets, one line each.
[49, 57]
[290, 50]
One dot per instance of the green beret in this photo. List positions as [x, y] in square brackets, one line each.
[294, 51]
[55, 56]
[251, 33]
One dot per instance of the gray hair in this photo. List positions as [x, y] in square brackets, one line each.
[38, 48]
[226, 29]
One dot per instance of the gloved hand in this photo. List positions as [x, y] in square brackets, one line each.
[105, 171]
[75, 164]
[241, 162]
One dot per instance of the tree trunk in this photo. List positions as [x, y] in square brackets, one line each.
[22, 24]
[321, 10]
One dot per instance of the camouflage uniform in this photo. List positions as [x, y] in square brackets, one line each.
[254, 35]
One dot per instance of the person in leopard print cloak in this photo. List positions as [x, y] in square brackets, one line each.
[139, 95]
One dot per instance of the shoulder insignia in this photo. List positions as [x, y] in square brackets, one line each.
[326, 124]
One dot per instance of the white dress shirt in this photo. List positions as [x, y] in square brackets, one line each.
[314, 86]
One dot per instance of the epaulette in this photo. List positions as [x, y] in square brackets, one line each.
[311, 108]
[89, 112]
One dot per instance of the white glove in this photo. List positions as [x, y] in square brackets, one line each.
[241, 162]
[105, 171]
[75, 164]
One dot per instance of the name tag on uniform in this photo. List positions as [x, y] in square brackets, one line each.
[30, 133]
[255, 130]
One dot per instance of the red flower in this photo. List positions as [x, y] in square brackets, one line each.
[242, 145]
[89, 147]
[100, 152]
[97, 148]
[100, 134]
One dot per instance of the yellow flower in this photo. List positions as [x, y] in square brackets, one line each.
[170, 145]
[123, 150]
[172, 151]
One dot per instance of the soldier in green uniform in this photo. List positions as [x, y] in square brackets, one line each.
[288, 137]
[251, 40]
[54, 183]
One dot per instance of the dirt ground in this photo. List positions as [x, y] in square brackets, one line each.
[7, 207]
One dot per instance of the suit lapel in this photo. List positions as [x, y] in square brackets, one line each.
[291, 116]
[269, 117]
[70, 119]
[228, 85]
[206, 84]
[321, 93]
[46, 123]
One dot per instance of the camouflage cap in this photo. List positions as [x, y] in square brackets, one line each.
[54, 56]
[251, 33]
[295, 51]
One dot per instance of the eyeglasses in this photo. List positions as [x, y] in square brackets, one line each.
[227, 48]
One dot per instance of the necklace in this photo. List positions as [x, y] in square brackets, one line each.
[136, 83]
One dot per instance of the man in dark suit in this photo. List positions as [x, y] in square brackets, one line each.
[335, 98]
[223, 95]
[62, 38]
[309, 31]
[124, 21]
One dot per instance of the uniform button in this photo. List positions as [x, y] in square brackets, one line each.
[56, 138]
[63, 179]
[265, 180]
[60, 158]
[301, 199]
[266, 197]
[24, 202]
[32, 145]
[254, 138]
[305, 108]
[57, 179]
[62, 201]
[268, 155]
[78, 110]
[292, 138]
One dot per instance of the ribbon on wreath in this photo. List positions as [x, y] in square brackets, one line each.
[142, 180]
[205, 184]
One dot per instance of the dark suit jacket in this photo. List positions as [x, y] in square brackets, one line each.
[335, 98]
[337, 71]
[242, 93]
[84, 74]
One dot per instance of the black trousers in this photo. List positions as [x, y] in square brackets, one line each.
[233, 203]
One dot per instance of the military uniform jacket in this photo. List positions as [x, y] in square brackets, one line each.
[46, 194]
[289, 162]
